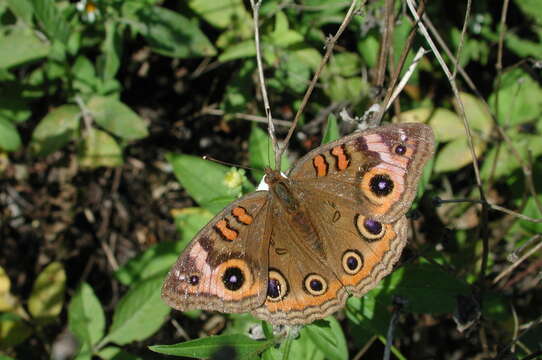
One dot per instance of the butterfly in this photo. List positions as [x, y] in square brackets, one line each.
[334, 226]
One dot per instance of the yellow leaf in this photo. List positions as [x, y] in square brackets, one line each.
[47, 298]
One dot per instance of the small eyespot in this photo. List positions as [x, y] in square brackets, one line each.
[352, 262]
[369, 228]
[277, 287]
[233, 278]
[193, 280]
[315, 284]
[400, 149]
[381, 185]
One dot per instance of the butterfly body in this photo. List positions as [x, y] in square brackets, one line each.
[332, 228]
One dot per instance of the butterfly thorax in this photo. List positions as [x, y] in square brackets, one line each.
[279, 186]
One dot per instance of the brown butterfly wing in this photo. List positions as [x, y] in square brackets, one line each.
[376, 170]
[330, 245]
[225, 266]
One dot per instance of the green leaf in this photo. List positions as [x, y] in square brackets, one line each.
[261, 153]
[446, 124]
[506, 162]
[47, 297]
[519, 98]
[332, 130]
[20, 47]
[171, 34]
[84, 74]
[189, 221]
[115, 353]
[245, 348]
[99, 149]
[477, 115]
[222, 14]
[86, 319]
[243, 49]
[117, 118]
[56, 129]
[456, 154]
[52, 20]
[22, 9]
[9, 136]
[206, 182]
[414, 280]
[328, 336]
[13, 330]
[111, 49]
[139, 313]
[14, 104]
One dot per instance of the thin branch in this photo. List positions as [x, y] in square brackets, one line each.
[271, 125]
[462, 39]
[519, 261]
[329, 50]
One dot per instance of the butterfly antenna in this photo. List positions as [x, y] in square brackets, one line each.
[209, 158]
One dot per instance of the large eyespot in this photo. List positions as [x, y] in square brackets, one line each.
[381, 185]
[235, 275]
[315, 284]
[370, 229]
[277, 287]
[352, 262]
[193, 280]
[233, 278]
[400, 149]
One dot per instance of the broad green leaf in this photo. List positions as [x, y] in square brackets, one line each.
[9, 136]
[346, 89]
[328, 336]
[115, 353]
[14, 104]
[261, 153]
[3, 357]
[332, 130]
[501, 160]
[139, 313]
[283, 36]
[345, 64]
[222, 14]
[519, 98]
[531, 210]
[47, 297]
[243, 49]
[211, 185]
[446, 124]
[302, 347]
[111, 49]
[368, 47]
[189, 221]
[99, 149]
[477, 115]
[84, 74]
[245, 348]
[21, 46]
[22, 9]
[86, 319]
[13, 330]
[117, 118]
[456, 154]
[171, 34]
[51, 19]
[55, 130]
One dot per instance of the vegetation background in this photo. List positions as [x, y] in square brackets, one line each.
[106, 107]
